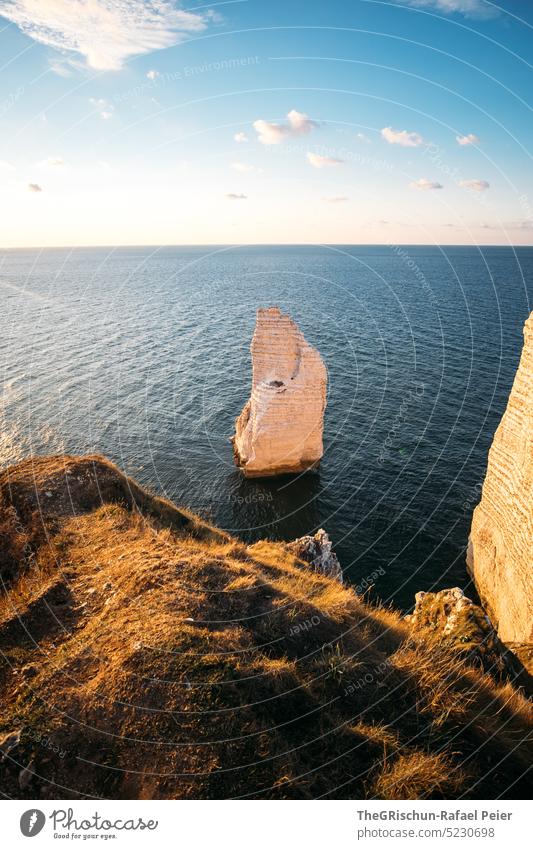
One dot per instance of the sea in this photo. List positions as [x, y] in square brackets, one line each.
[143, 354]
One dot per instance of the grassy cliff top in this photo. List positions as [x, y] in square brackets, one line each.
[147, 654]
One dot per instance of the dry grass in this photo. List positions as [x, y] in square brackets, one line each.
[418, 775]
[165, 659]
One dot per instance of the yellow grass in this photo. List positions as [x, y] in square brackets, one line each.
[168, 660]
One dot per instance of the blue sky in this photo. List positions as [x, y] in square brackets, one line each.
[253, 122]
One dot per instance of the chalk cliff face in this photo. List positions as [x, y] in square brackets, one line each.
[500, 551]
[280, 428]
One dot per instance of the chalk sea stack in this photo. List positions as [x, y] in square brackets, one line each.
[279, 430]
[500, 550]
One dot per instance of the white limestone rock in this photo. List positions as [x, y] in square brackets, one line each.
[500, 549]
[279, 430]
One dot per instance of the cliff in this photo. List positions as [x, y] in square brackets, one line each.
[280, 428]
[145, 654]
[500, 550]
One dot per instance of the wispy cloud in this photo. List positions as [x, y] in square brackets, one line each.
[362, 138]
[474, 185]
[103, 107]
[471, 138]
[152, 75]
[425, 185]
[242, 167]
[63, 66]
[105, 32]
[468, 8]
[240, 137]
[52, 162]
[336, 199]
[401, 137]
[34, 187]
[508, 225]
[298, 124]
[236, 196]
[318, 161]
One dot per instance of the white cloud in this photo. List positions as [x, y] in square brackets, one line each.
[318, 161]
[242, 167]
[153, 75]
[52, 162]
[362, 138]
[34, 187]
[508, 225]
[103, 107]
[471, 138]
[236, 196]
[401, 137]
[425, 185]
[105, 32]
[298, 124]
[468, 8]
[6, 167]
[474, 185]
[61, 66]
[240, 137]
[336, 199]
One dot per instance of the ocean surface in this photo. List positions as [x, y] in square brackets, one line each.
[142, 354]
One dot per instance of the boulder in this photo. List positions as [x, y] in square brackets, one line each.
[279, 430]
[459, 624]
[318, 551]
[500, 549]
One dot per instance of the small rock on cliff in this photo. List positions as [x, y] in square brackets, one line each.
[459, 624]
[318, 551]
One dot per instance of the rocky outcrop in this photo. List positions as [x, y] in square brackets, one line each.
[500, 549]
[459, 624]
[318, 551]
[280, 428]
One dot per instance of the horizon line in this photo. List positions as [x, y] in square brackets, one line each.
[262, 245]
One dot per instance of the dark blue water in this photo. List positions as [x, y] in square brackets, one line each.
[142, 354]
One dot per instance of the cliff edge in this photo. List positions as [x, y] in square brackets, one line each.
[145, 654]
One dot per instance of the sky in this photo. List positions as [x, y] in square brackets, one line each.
[251, 122]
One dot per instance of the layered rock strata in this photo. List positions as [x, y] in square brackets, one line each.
[280, 428]
[500, 549]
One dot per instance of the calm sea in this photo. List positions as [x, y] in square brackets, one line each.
[142, 354]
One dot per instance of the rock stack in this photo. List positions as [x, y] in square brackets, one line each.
[280, 428]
